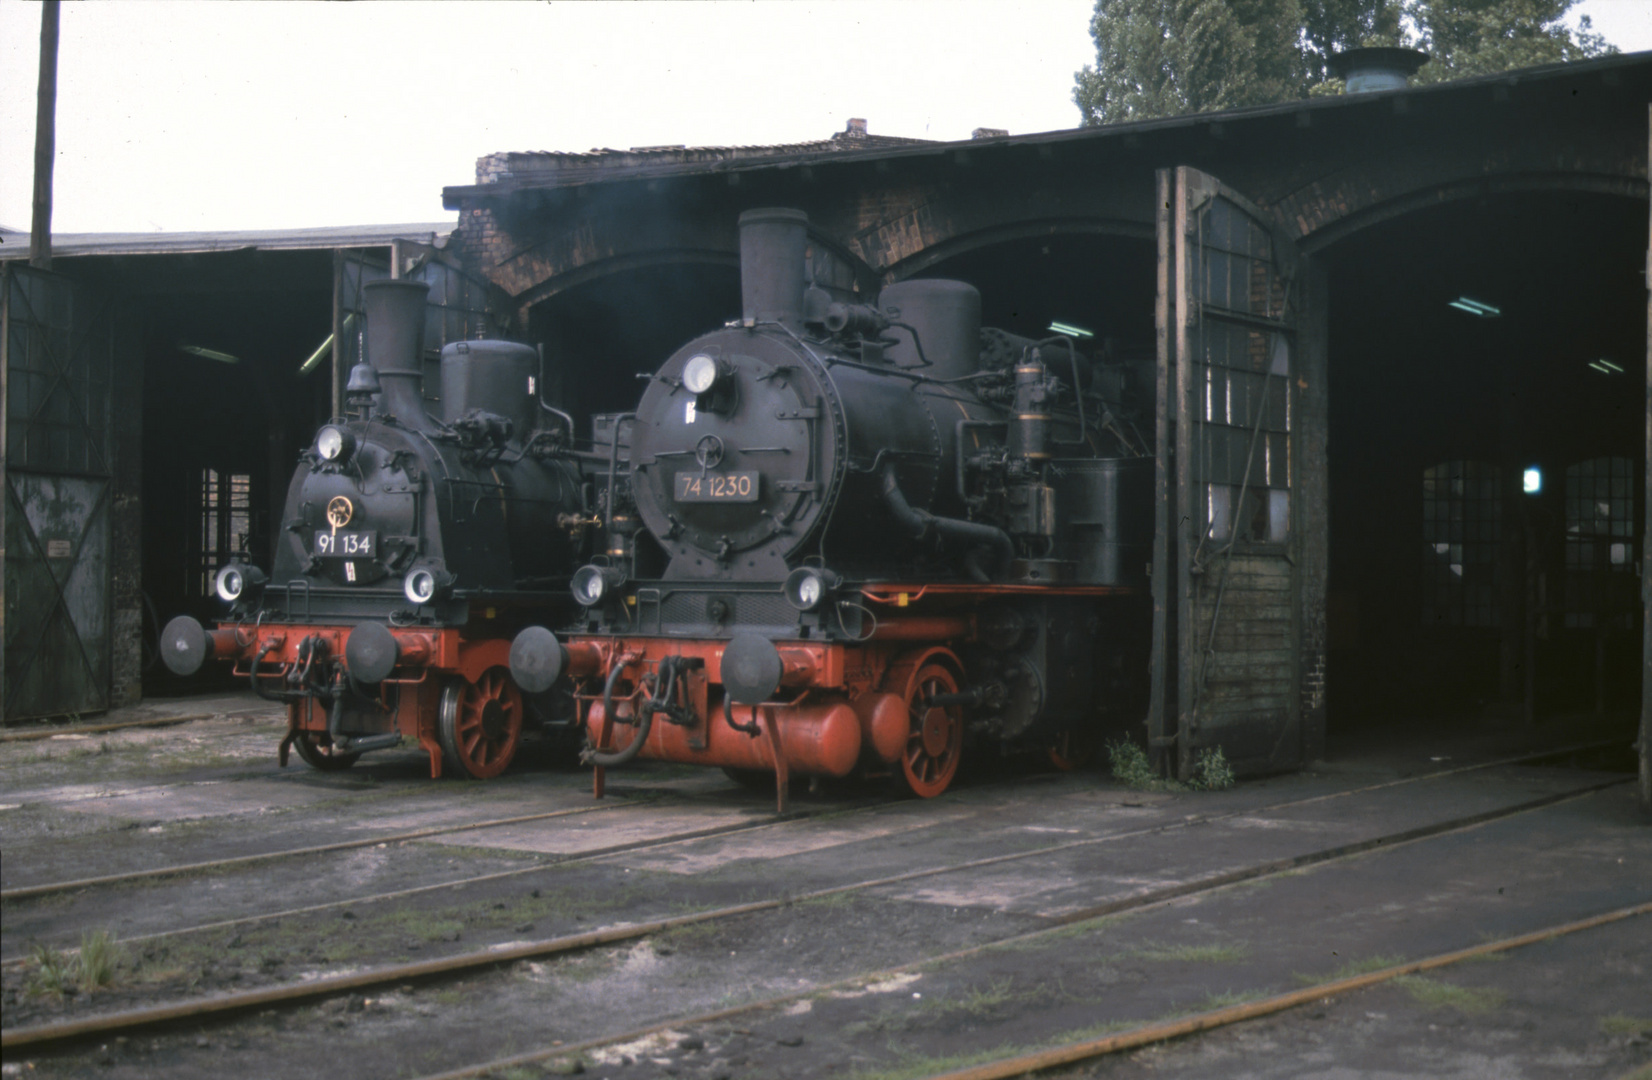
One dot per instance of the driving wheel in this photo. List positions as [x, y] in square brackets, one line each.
[479, 724]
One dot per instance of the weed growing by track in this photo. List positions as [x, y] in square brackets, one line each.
[52, 974]
[1193, 954]
[1440, 995]
[1211, 771]
[1619, 1024]
[57, 974]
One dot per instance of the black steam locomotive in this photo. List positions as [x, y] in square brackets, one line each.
[413, 547]
[850, 534]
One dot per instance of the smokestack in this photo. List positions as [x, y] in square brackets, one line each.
[773, 249]
[395, 346]
[1367, 70]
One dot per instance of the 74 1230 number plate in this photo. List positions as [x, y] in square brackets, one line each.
[717, 487]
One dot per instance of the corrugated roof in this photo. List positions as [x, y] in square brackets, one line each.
[14, 244]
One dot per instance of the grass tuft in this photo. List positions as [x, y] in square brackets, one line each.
[99, 957]
[1131, 768]
[1619, 1024]
[1195, 954]
[1211, 771]
[1440, 995]
[52, 972]
[55, 973]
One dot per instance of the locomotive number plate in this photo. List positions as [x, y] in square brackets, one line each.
[717, 487]
[345, 543]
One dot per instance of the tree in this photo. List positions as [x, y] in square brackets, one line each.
[1481, 37]
[1166, 57]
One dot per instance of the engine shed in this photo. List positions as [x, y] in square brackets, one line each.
[1400, 339]
[158, 389]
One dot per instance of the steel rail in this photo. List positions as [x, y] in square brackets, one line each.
[1024, 1064]
[479, 879]
[1146, 901]
[698, 835]
[95, 729]
[200, 1008]
[26, 891]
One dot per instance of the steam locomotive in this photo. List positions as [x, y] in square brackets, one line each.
[413, 547]
[849, 535]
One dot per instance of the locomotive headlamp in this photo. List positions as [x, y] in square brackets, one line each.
[334, 443]
[807, 586]
[235, 579]
[425, 582]
[701, 374]
[420, 587]
[592, 583]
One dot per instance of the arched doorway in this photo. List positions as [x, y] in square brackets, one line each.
[1487, 398]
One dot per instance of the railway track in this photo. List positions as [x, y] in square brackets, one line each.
[236, 861]
[1029, 1064]
[205, 1009]
[37, 734]
[646, 844]
[209, 865]
[480, 879]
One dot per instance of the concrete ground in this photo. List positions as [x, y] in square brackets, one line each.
[1574, 1006]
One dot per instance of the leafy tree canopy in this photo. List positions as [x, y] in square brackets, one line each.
[1166, 57]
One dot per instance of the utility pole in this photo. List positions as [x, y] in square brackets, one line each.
[45, 139]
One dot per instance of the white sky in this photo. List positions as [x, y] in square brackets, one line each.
[196, 115]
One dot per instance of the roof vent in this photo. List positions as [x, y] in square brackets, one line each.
[989, 133]
[1386, 68]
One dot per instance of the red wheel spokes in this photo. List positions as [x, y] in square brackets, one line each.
[935, 738]
[488, 721]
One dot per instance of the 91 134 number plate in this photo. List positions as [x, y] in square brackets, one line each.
[345, 543]
[717, 487]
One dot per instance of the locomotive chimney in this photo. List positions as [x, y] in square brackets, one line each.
[395, 347]
[773, 250]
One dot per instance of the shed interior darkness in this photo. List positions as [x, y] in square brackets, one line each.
[599, 336]
[1415, 383]
[247, 420]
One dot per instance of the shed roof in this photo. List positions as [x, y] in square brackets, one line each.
[504, 174]
[14, 244]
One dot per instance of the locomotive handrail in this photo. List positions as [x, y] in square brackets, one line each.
[613, 460]
[1078, 391]
[288, 589]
